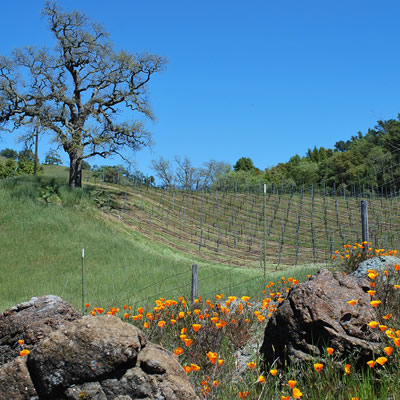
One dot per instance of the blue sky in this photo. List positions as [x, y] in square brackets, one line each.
[261, 79]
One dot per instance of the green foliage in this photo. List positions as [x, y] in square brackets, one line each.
[111, 174]
[244, 164]
[8, 169]
[9, 153]
[52, 158]
[26, 154]
[370, 160]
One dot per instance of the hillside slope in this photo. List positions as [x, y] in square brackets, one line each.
[42, 235]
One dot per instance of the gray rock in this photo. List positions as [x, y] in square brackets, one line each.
[90, 349]
[380, 263]
[93, 358]
[32, 321]
[15, 381]
[316, 315]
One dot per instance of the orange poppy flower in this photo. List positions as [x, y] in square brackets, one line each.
[372, 275]
[187, 369]
[352, 302]
[383, 327]
[285, 397]
[245, 298]
[251, 364]
[347, 368]
[292, 384]
[24, 352]
[396, 342]
[387, 316]
[318, 367]
[216, 383]
[260, 318]
[195, 367]
[371, 363]
[273, 372]
[388, 350]
[173, 321]
[220, 362]
[161, 324]
[212, 357]
[188, 342]
[390, 334]
[381, 360]
[140, 310]
[196, 327]
[373, 324]
[375, 303]
[371, 292]
[21, 342]
[244, 395]
[296, 394]
[261, 379]
[330, 350]
[178, 351]
[146, 325]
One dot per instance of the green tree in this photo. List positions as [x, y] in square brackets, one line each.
[26, 154]
[244, 164]
[9, 153]
[8, 169]
[52, 158]
[77, 90]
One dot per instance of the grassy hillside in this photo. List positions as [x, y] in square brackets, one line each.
[45, 226]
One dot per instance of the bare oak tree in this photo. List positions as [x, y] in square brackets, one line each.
[77, 90]
[185, 173]
[162, 169]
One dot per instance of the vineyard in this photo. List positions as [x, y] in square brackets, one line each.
[251, 229]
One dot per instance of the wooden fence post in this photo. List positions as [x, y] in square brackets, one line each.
[194, 282]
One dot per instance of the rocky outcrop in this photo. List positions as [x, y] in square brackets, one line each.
[378, 264]
[96, 358]
[15, 381]
[32, 321]
[316, 315]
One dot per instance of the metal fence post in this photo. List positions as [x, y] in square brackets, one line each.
[364, 223]
[194, 282]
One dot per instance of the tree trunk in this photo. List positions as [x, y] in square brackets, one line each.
[75, 170]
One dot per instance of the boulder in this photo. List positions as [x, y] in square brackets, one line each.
[32, 321]
[379, 263]
[99, 358]
[316, 315]
[15, 381]
[91, 348]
